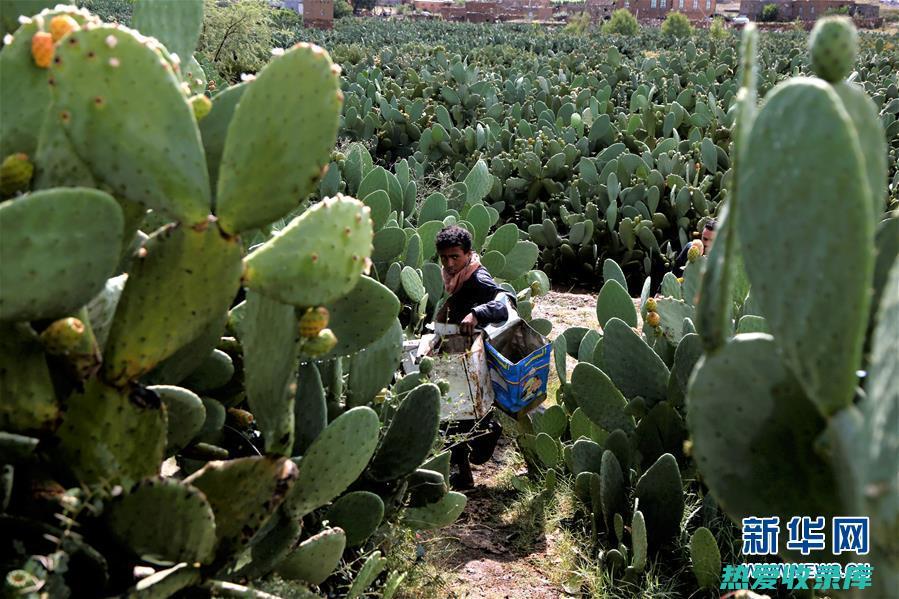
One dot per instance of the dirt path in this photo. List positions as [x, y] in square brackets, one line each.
[499, 548]
[493, 551]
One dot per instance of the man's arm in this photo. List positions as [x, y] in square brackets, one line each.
[488, 310]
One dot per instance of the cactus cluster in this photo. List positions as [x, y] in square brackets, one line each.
[821, 373]
[595, 150]
[249, 371]
[751, 330]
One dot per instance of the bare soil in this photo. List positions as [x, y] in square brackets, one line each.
[492, 552]
[485, 554]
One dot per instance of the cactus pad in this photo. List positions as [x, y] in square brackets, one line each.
[599, 399]
[359, 514]
[613, 301]
[315, 259]
[185, 415]
[29, 401]
[279, 139]
[372, 368]
[187, 277]
[214, 128]
[315, 558]
[119, 102]
[310, 408]
[639, 541]
[20, 78]
[110, 436]
[363, 316]
[175, 24]
[436, 515]
[243, 493]
[634, 367]
[269, 339]
[821, 337]
[163, 519]
[661, 495]
[190, 357]
[410, 436]
[612, 495]
[881, 441]
[706, 558]
[748, 378]
[334, 460]
[77, 231]
[833, 48]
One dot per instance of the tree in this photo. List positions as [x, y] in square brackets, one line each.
[717, 30]
[342, 9]
[622, 23]
[677, 25]
[578, 24]
[769, 13]
[236, 36]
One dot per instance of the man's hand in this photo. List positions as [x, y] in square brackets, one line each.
[468, 324]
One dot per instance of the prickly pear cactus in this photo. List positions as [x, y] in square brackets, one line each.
[142, 327]
[803, 376]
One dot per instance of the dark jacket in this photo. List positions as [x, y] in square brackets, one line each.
[477, 295]
[680, 263]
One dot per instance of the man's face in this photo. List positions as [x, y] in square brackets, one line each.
[707, 238]
[454, 259]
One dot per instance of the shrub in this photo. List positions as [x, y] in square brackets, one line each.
[578, 24]
[342, 8]
[677, 25]
[237, 37]
[769, 13]
[717, 30]
[622, 23]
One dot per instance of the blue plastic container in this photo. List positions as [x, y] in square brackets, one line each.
[518, 362]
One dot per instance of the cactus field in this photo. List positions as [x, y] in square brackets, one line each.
[206, 284]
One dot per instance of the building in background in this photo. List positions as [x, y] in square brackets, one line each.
[695, 10]
[809, 10]
[318, 14]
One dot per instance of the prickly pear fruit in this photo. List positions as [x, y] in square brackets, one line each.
[320, 344]
[62, 25]
[42, 49]
[17, 581]
[426, 365]
[833, 48]
[15, 174]
[695, 251]
[651, 304]
[239, 418]
[313, 321]
[653, 319]
[444, 386]
[201, 105]
[63, 336]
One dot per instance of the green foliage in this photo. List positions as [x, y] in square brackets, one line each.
[343, 8]
[623, 22]
[236, 37]
[578, 24]
[717, 30]
[769, 13]
[677, 25]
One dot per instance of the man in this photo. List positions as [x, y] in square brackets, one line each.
[472, 302]
[707, 237]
